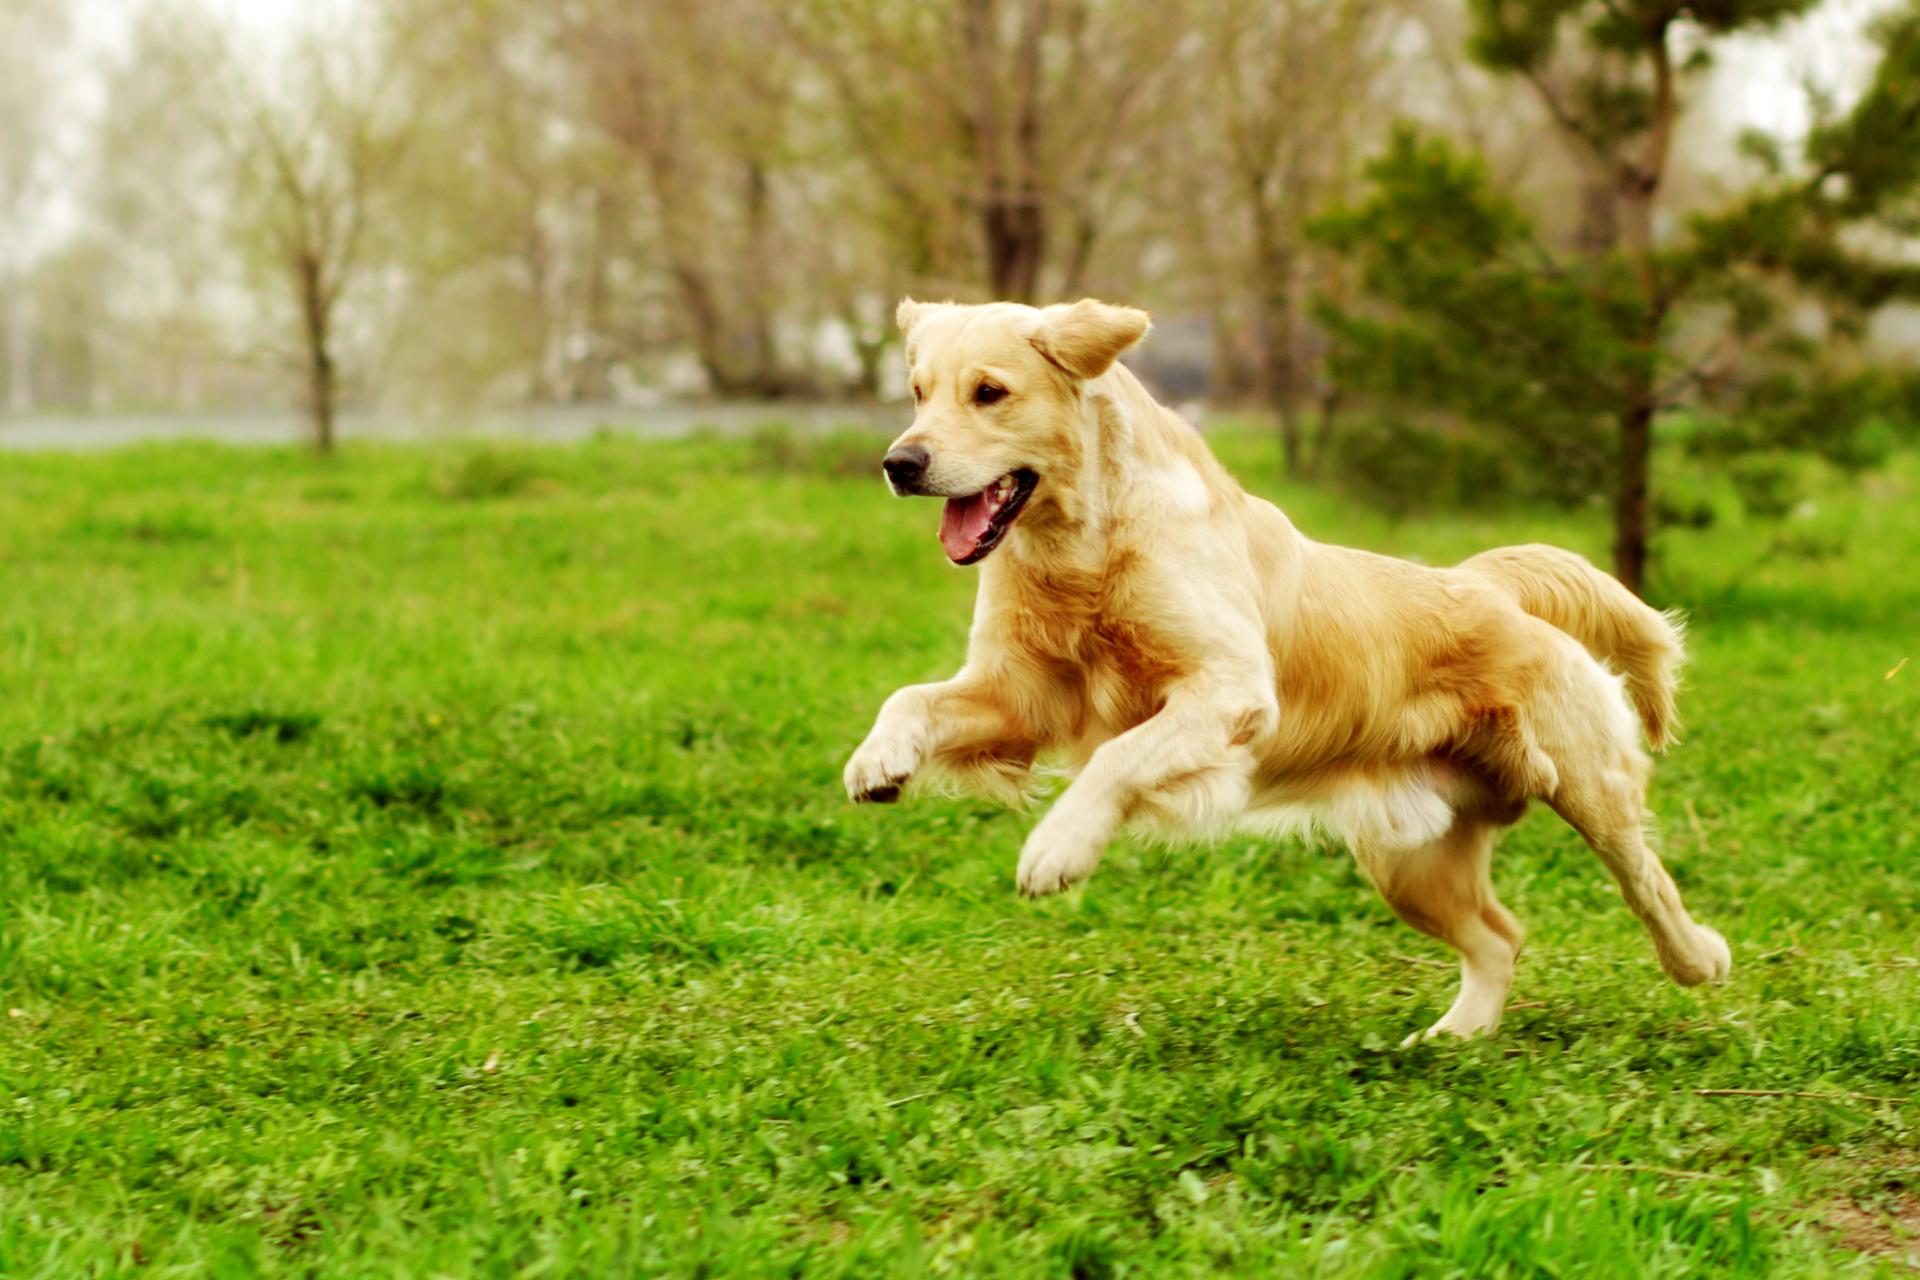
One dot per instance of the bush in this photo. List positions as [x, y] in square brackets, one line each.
[488, 473]
[776, 448]
[1402, 466]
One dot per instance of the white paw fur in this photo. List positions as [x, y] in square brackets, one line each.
[1707, 958]
[880, 768]
[1057, 855]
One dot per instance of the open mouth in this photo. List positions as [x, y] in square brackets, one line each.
[970, 528]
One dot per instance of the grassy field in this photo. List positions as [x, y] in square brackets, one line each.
[435, 863]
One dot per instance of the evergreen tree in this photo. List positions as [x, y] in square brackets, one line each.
[1565, 361]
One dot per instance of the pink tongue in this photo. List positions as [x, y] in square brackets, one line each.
[963, 524]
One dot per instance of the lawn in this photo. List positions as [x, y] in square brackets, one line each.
[434, 862]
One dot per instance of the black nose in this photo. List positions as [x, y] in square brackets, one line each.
[905, 465]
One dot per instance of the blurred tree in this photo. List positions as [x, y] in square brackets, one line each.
[310, 166]
[1286, 96]
[174, 296]
[711, 161]
[32, 33]
[515, 210]
[69, 288]
[514, 200]
[299, 146]
[1014, 113]
[1568, 360]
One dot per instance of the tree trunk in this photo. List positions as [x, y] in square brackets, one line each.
[1291, 451]
[1631, 497]
[592, 379]
[1279, 374]
[1636, 185]
[683, 235]
[323, 382]
[88, 388]
[1599, 230]
[1086, 234]
[1227, 379]
[1016, 231]
[20, 352]
[1618, 188]
[1640, 401]
[709, 334]
[766, 376]
[1013, 221]
[1330, 398]
[869, 355]
[535, 257]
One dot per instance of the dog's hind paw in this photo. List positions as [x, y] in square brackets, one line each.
[1702, 956]
[1454, 1027]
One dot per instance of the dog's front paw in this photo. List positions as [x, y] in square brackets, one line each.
[879, 769]
[1056, 857]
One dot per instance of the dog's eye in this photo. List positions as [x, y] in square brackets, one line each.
[987, 393]
[917, 396]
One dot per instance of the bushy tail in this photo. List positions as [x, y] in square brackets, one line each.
[1634, 639]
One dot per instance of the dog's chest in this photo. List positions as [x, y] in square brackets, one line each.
[1112, 668]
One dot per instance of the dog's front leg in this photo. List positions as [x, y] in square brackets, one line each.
[1200, 730]
[951, 722]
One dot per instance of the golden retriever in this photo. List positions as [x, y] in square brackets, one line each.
[1203, 666]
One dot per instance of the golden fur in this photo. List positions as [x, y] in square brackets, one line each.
[1203, 666]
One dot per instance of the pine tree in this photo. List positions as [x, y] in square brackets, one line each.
[1564, 361]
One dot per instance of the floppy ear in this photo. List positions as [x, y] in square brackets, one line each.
[1086, 338]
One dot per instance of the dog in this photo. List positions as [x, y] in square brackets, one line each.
[1203, 666]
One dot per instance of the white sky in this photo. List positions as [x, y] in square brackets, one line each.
[103, 24]
[1762, 75]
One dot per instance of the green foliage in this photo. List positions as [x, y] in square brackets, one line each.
[1469, 317]
[1863, 177]
[404, 887]
[1872, 147]
[777, 448]
[487, 472]
[1723, 17]
[1515, 35]
[1403, 465]
[1470, 321]
[1853, 421]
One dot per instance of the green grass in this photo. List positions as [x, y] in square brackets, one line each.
[434, 863]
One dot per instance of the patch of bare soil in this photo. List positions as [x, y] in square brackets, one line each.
[1886, 1227]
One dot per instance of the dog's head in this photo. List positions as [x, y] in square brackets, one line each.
[997, 394]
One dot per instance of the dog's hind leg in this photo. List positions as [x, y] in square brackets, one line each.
[1603, 779]
[1444, 890]
[1606, 807]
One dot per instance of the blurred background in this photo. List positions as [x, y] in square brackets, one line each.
[1447, 251]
